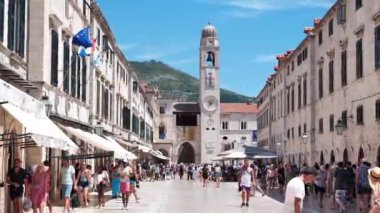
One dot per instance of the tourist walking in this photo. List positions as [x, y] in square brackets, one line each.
[321, 183]
[340, 186]
[281, 177]
[101, 181]
[133, 183]
[48, 200]
[125, 187]
[39, 189]
[115, 181]
[271, 178]
[295, 190]
[205, 175]
[17, 178]
[67, 180]
[218, 175]
[374, 181]
[83, 183]
[364, 190]
[246, 181]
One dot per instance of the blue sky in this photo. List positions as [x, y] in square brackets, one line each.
[251, 33]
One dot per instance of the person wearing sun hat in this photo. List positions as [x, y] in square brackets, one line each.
[374, 182]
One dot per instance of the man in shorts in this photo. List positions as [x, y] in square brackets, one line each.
[295, 190]
[67, 180]
[17, 177]
[246, 181]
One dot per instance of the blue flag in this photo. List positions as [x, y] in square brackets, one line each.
[82, 38]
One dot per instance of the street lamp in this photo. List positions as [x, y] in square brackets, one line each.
[305, 137]
[98, 128]
[48, 105]
[339, 127]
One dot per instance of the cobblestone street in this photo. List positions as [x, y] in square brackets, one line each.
[175, 196]
[186, 197]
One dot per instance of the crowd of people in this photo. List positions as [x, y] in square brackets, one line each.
[340, 182]
[75, 181]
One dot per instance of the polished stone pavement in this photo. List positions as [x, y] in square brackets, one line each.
[182, 196]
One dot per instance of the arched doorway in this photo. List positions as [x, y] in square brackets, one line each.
[164, 152]
[332, 157]
[321, 159]
[360, 154]
[378, 156]
[345, 156]
[186, 153]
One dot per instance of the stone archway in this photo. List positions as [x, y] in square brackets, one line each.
[360, 154]
[186, 153]
[321, 159]
[345, 156]
[332, 157]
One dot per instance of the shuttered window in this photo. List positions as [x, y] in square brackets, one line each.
[332, 123]
[78, 77]
[320, 83]
[1, 20]
[16, 26]
[344, 68]
[377, 47]
[360, 115]
[304, 92]
[54, 59]
[331, 77]
[377, 113]
[66, 67]
[359, 59]
[73, 76]
[84, 79]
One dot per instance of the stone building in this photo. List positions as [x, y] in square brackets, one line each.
[191, 132]
[238, 125]
[339, 60]
[41, 69]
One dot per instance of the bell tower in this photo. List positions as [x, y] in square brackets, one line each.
[209, 94]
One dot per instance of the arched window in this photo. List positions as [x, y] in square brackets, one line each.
[162, 131]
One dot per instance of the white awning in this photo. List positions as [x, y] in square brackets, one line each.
[101, 143]
[43, 131]
[144, 148]
[158, 154]
[235, 155]
[121, 151]
[126, 143]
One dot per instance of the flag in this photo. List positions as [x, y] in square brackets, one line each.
[97, 59]
[83, 52]
[93, 45]
[82, 38]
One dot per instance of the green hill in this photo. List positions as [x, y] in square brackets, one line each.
[173, 82]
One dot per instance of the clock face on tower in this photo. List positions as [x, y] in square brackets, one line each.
[210, 103]
[210, 122]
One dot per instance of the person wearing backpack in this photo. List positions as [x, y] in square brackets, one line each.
[205, 175]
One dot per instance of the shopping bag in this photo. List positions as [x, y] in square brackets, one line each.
[27, 204]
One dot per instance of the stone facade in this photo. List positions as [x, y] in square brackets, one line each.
[341, 73]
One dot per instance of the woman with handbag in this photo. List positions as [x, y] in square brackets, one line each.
[102, 181]
[133, 183]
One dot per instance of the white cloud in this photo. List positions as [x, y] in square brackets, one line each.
[128, 46]
[265, 58]
[253, 8]
[270, 5]
[243, 13]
